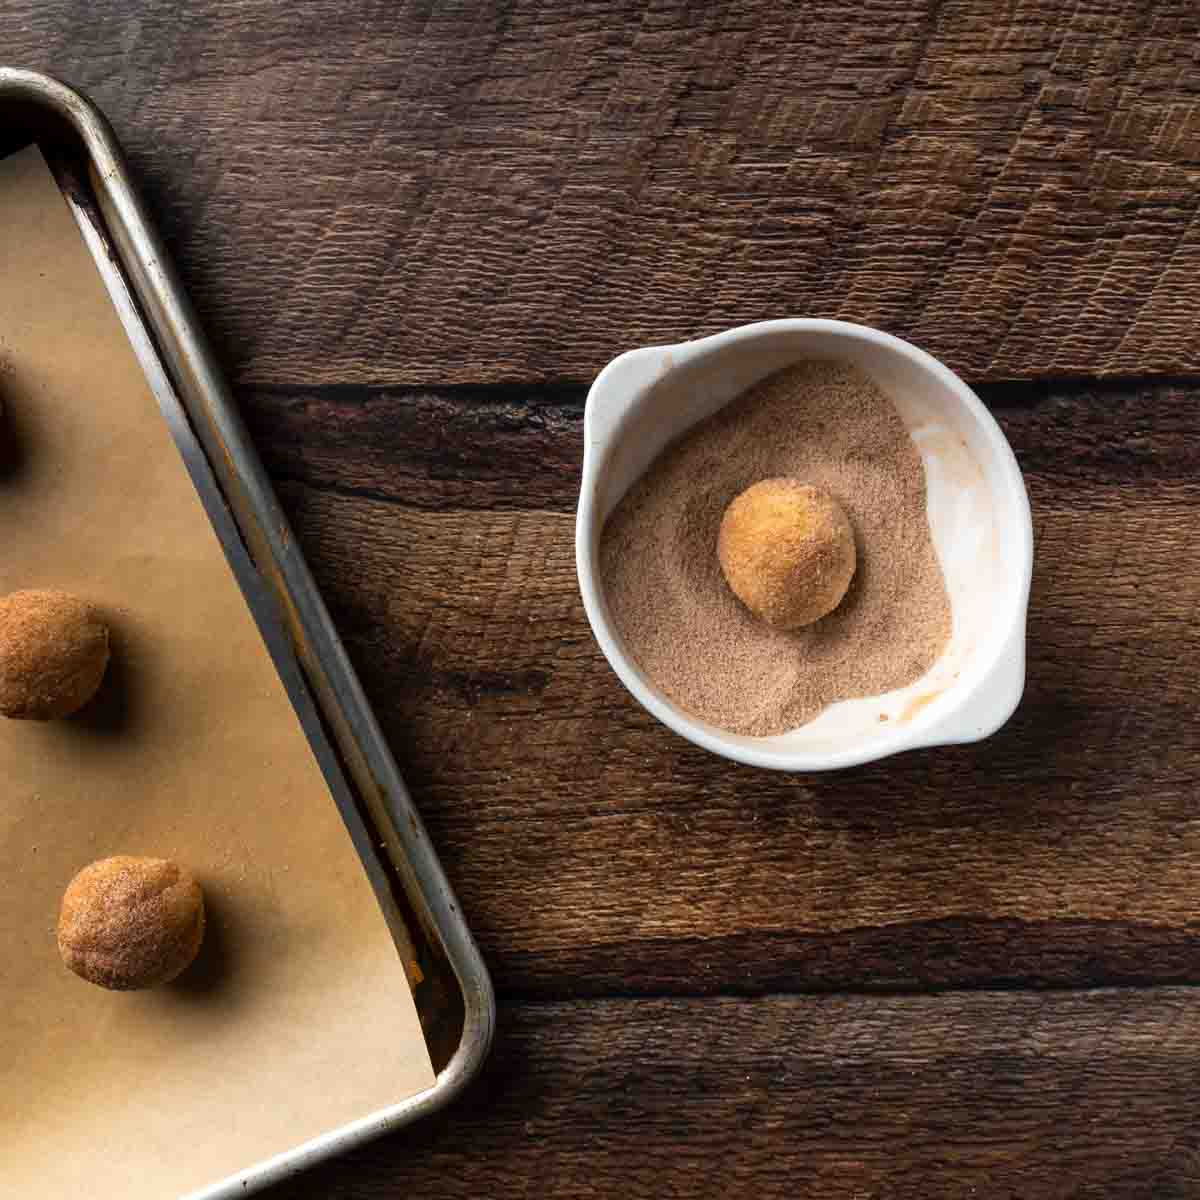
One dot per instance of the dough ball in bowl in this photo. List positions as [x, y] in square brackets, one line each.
[53, 654]
[787, 551]
[129, 923]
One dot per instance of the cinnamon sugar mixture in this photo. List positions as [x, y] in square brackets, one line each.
[825, 424]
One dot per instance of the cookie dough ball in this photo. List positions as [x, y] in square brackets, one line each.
[787, 551]
[53, 654]
[130, 923]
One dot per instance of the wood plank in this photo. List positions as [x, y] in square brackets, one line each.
[998, 1095]
[598, 853]
[573, 820]
[467, 193]
[520, 448]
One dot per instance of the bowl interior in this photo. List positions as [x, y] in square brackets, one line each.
[977, 509]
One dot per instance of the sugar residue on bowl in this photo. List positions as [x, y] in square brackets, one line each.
[826, 424]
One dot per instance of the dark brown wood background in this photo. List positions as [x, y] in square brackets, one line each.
[416, 231]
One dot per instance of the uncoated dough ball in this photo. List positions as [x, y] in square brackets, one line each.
[53, 654]
[129, 923]
[787, 551]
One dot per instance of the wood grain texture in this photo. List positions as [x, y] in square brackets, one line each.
[597, 853]
[382, 206]
[407, 192]
[996, 1095]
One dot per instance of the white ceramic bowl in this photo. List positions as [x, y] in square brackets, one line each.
[978, 510]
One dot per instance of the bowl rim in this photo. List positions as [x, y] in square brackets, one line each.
[972, 717]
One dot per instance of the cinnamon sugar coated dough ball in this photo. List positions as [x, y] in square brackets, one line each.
[130, 923]
[787, 551]
[53, 654]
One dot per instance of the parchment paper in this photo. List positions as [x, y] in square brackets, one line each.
[298, 1017]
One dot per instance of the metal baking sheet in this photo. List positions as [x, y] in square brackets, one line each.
[451, 986]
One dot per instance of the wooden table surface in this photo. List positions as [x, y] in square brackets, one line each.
[416, 229]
